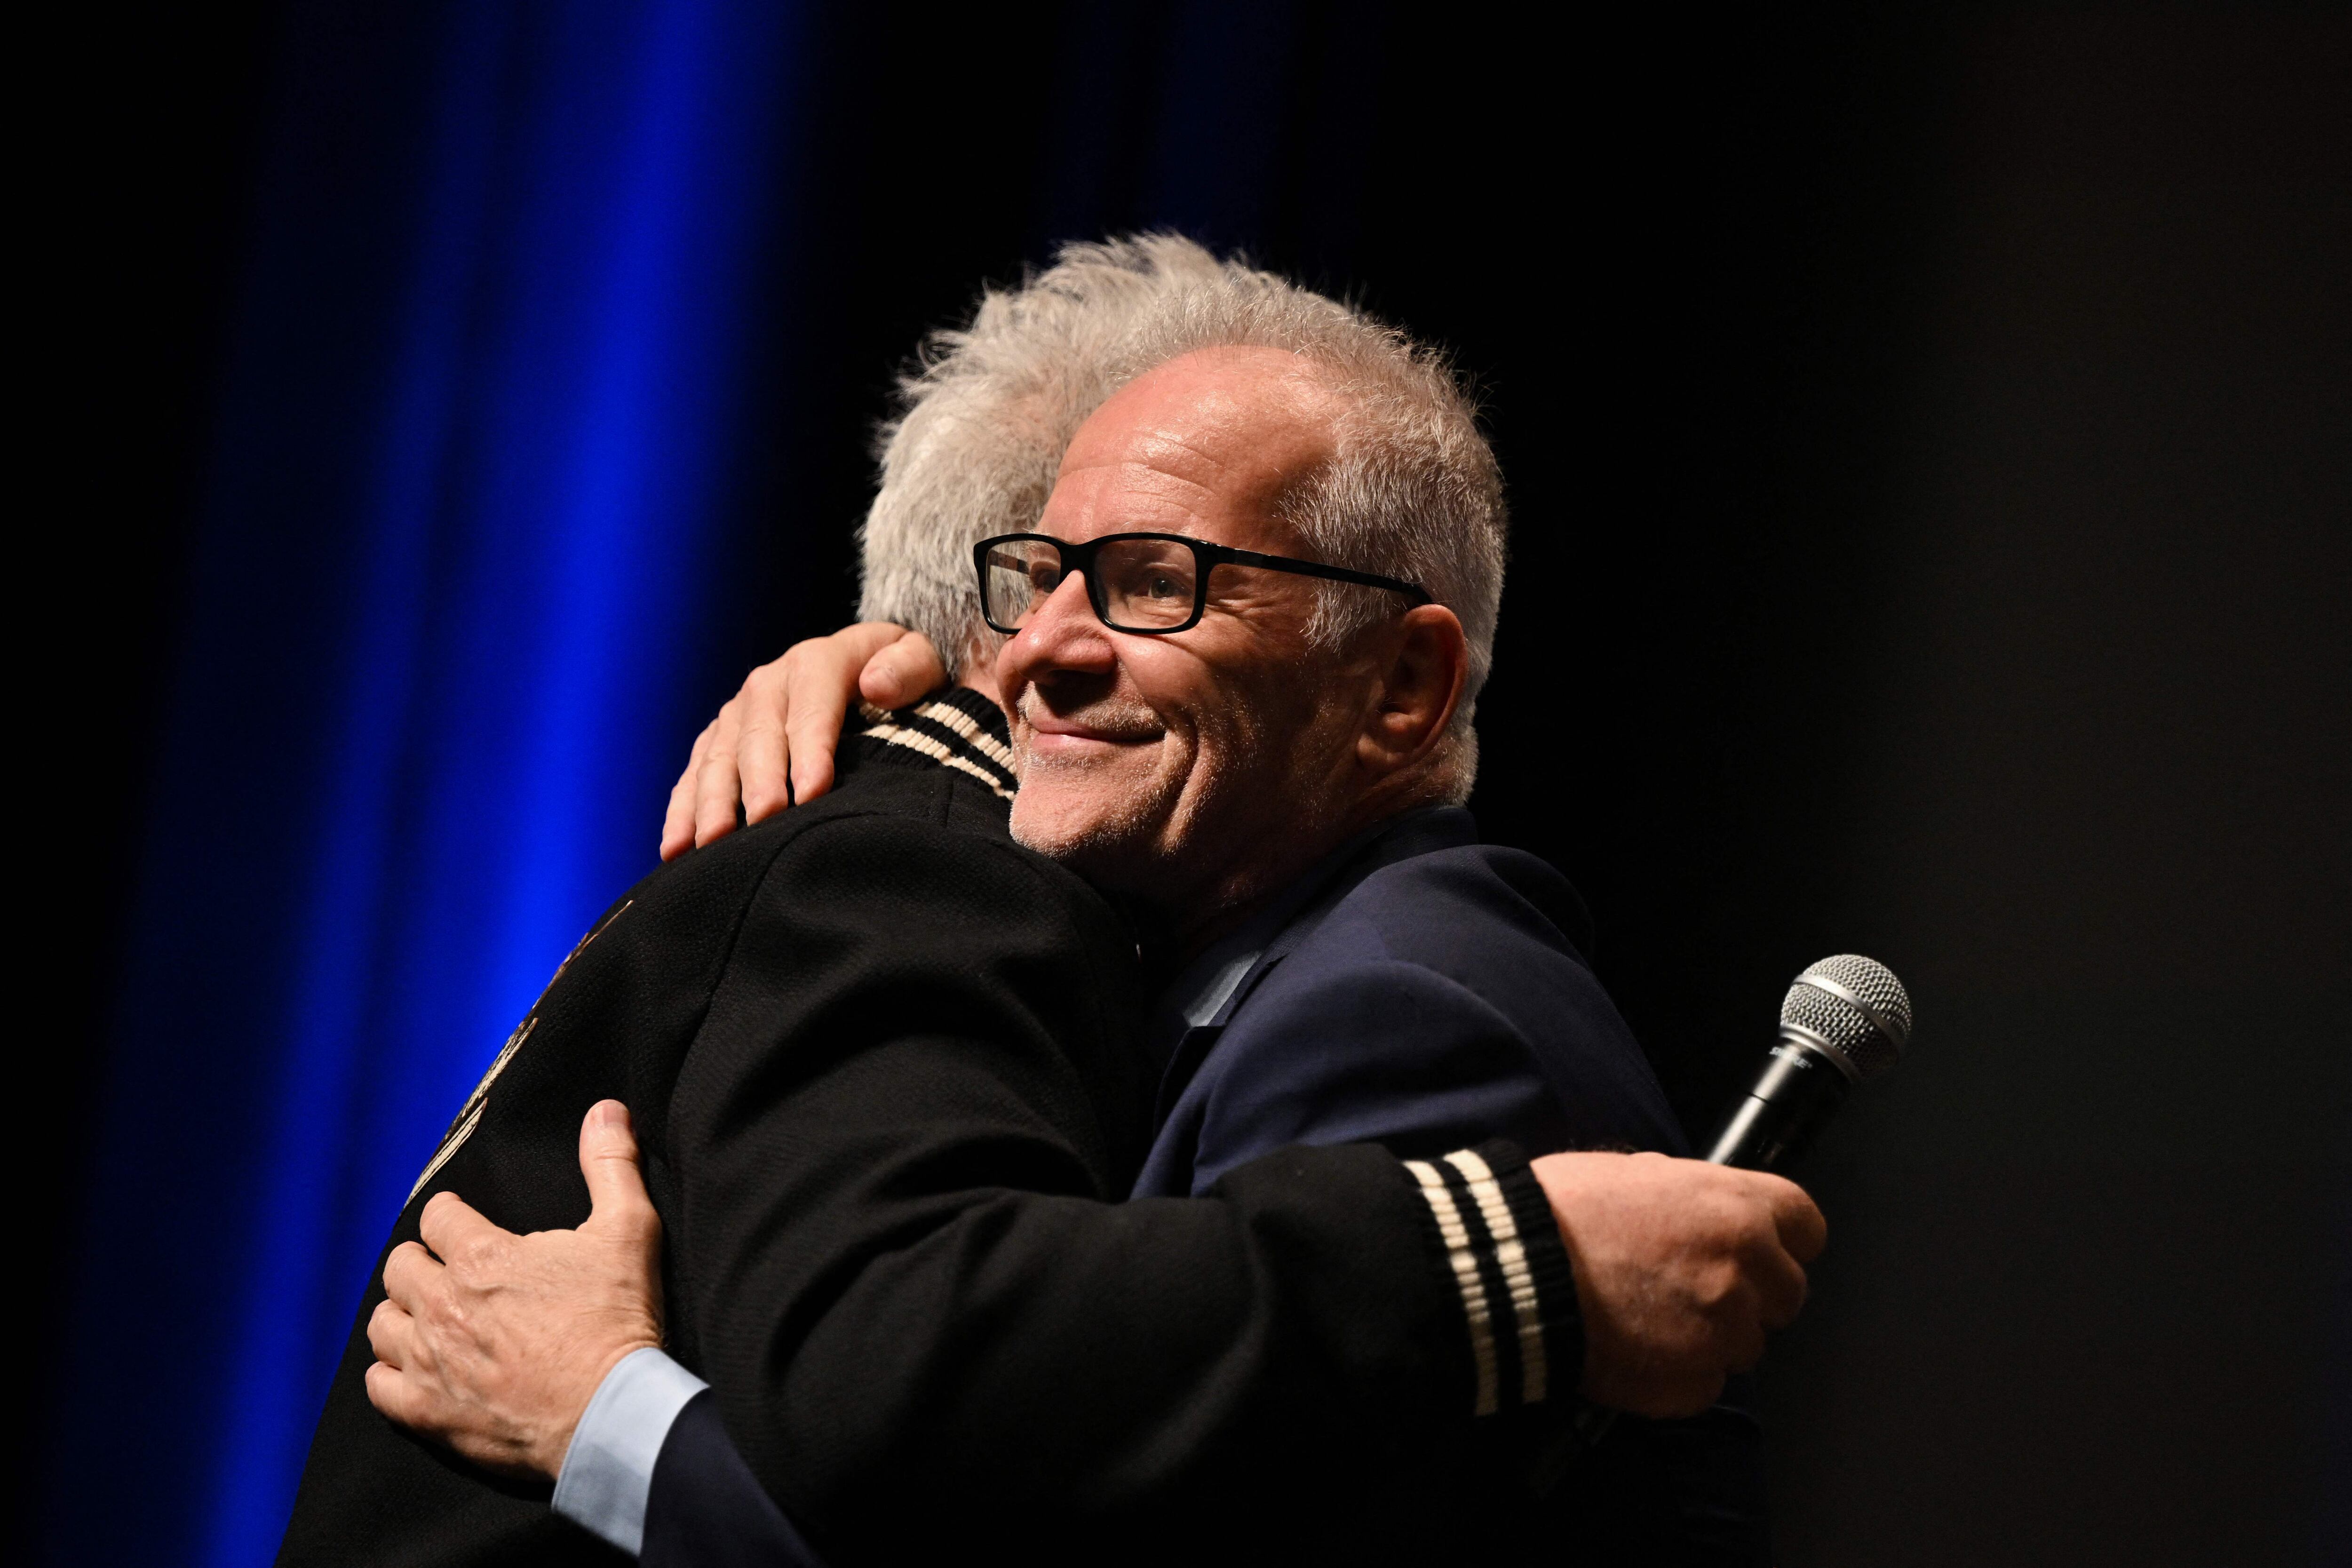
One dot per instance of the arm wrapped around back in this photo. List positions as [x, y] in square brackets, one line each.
[895, 1259]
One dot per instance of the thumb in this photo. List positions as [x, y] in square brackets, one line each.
[608, 1158]
[901, 672]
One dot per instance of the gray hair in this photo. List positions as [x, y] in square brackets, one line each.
[1412, 492]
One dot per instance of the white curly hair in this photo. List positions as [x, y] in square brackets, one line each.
[1413, 490]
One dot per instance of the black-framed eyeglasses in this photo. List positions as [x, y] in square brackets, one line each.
[1151, 583]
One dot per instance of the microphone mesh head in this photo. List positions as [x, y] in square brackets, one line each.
[1847, 1029]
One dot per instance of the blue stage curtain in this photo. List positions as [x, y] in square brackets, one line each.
[482, 405]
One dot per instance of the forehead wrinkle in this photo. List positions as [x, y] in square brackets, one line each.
[1149, 451]
[1160, 471]
[1138, 474]
[1159, 446]
[1142, 493]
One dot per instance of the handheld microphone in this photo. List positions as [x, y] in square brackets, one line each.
[1845, 1019]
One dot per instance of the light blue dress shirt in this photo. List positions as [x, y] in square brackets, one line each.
[608, 1472]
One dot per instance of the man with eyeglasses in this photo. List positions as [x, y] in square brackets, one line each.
[1259, 755]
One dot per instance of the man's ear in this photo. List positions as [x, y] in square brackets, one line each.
[1427, 661]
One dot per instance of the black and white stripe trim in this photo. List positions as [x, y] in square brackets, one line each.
[1506, 1259]
[961, 730]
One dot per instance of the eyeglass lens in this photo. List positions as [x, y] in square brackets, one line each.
[1139, 585]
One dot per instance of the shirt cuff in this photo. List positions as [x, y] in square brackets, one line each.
[608, 1470]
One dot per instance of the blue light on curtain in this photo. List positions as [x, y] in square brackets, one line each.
[466, 503]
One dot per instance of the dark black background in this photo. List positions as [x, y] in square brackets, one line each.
[1927, 432]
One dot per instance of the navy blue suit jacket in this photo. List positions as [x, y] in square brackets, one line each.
[1423, 991]
[1430, 992]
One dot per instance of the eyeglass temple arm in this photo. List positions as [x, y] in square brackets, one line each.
[1418, 595]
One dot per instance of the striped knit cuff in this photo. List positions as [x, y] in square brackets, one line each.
[1506, 1256]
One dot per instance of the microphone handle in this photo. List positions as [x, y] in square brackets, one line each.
[1801, 1086]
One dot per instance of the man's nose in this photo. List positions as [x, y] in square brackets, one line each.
[1062, 636]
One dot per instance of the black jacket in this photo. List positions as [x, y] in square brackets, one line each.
[881, 1064]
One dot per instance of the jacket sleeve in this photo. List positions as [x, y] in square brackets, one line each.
[894, 1259]
[1381, 1052]
[705, 1509]
[1436, 1007]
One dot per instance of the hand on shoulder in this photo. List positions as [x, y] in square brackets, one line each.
[773, 742]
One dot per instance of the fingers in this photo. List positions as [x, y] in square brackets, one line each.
[1780, 1285]
[1804, 1231]
[395, 1395]
[773, 741]
[1781, 1230]
[786, 705]
[717, 788]
[901, 671]
[763, 749]
[392, 1334]
[677, 822]
[821, 678]
[408, 1273]
[451, 1227]
[608, 1158]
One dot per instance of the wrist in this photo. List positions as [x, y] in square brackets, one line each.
[555, 1444]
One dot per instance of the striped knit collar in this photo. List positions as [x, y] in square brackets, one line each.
[957, 728]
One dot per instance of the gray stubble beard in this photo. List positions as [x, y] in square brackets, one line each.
[1141, 845]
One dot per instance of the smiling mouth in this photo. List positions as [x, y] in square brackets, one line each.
[1052, 731]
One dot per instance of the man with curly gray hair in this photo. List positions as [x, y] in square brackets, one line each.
[1410, 490]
